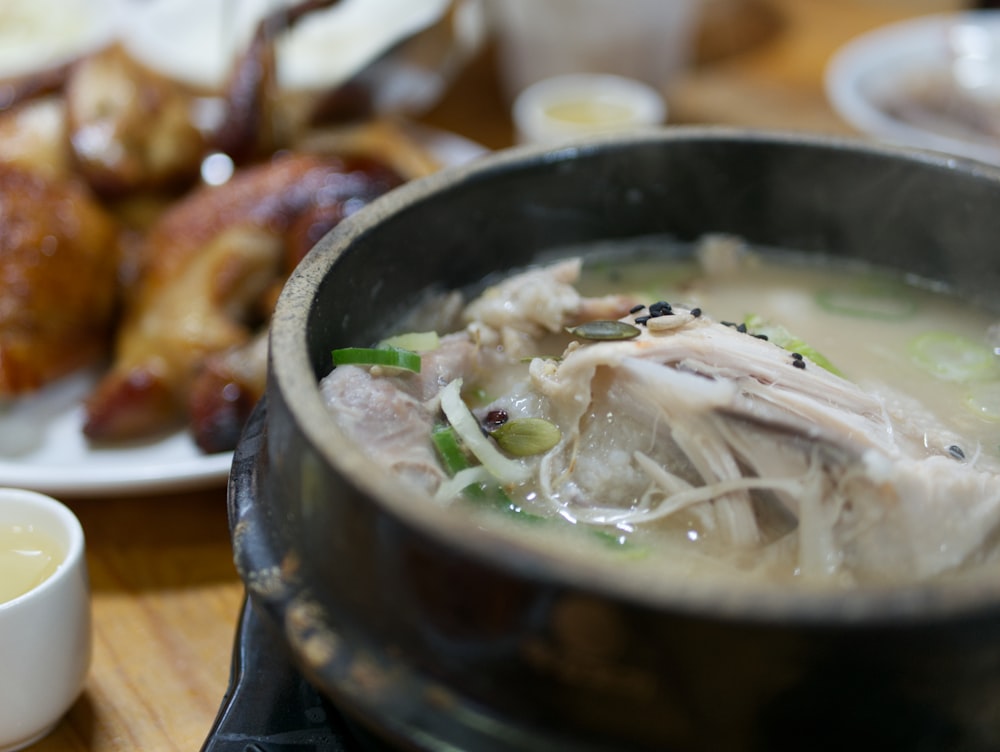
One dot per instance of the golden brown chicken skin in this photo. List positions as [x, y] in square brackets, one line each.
[210, 268]
[59, 254]
[130, 128]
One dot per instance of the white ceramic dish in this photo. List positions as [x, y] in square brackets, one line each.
[42, 446]
[563, 108]
[962, 49]
[45, 634]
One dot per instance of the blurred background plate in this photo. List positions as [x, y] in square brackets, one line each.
[405, 52]
[932, 82]
[40, 34]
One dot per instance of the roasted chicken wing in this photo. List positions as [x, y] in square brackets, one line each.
[210, 268]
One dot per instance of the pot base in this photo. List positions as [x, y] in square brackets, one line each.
[268, 698]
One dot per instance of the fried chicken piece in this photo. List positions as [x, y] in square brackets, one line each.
[131, 128]
[33, 135]
[255, 121]
[59, 253]
[210, 262]
[224, 392]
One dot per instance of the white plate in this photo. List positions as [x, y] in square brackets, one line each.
[887, 60]
[42, 446]
[195, 40]
[448, 149]
[36, 35]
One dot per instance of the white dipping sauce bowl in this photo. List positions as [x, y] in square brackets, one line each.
[562, 108]
[45, 633]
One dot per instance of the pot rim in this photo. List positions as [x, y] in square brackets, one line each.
[292, 375]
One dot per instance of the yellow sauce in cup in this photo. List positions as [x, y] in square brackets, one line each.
[28, 557]
[561, 108]
[591, 112]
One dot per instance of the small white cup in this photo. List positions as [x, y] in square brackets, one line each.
[563, 108]
[45, 633]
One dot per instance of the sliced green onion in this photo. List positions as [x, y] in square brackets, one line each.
[476, 484]
[467, 427]
[473, 481]
[984, 400]
[604, 330]
[391, 357]
[885, 302]
[415, 341]
[783, 338]
[950, 357]
[453, 457]
[523, 437]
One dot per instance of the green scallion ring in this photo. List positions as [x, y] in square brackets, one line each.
[391, 357]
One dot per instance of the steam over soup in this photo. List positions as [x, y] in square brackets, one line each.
[728, 414]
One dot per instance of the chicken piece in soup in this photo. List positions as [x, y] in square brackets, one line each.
[733, 414]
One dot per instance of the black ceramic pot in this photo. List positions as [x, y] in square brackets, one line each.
[441, 635]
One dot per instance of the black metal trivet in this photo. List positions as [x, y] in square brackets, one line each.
[270, 707]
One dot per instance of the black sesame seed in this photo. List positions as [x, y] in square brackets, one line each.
[636, 308]
[642, 319]
[761, 336]
[696, 312]
[727, 323]
[797, 356]
[799, 363]
[742, 328]
[660, 308]
[956, 451]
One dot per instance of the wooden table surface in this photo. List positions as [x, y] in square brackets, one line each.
[165, 593]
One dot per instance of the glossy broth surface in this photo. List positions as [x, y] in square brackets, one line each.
[874, 326]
